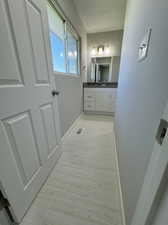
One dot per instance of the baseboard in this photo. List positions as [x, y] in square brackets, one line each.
[119, 182]
[99, 113]
[67, 133]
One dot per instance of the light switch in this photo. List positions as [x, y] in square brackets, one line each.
[144, 45]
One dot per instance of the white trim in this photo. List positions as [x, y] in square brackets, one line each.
[62, 13]
[119, 181]
[99, 113]
[71, 29]
[111, 70]
[67, 74]
[102, 56]
[118, 28]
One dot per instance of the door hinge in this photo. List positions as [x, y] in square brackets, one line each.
[5, 205]
[161, 132]
[3, 202]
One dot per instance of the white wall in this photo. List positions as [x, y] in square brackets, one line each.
[142, 94]
[70, 98]
[110, 38]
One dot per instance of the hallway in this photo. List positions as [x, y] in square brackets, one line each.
[83, 188]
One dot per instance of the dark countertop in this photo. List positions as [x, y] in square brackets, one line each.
[100, 85]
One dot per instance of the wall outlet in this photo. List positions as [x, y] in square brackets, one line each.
[144, 45]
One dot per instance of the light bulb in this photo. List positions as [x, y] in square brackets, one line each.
[100, 51]
[107, 50]
[93, 51]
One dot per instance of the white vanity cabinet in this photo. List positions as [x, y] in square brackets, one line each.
[100, 100]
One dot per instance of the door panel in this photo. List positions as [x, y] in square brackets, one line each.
[29, 119]
[49, 126]
[10, 71]
[27, 161]
[37, 39]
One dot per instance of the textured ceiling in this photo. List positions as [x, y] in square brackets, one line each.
[101, 15]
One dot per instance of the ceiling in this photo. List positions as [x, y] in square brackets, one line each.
[101, 15]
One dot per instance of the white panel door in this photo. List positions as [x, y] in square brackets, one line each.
[29, 120]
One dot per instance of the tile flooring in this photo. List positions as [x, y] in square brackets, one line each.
[83, 187]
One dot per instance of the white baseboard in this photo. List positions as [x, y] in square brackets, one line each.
[119, 183]
[99, 113]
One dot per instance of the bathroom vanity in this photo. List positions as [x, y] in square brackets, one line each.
[99, 98]
[100, 90]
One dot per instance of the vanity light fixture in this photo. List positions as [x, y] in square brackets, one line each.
[101, 50]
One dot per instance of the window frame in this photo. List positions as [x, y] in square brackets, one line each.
[67, 27]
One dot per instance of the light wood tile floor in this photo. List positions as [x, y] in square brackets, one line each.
[83, 187]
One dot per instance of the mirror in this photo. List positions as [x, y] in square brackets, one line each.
[104, 69]
[103, 72]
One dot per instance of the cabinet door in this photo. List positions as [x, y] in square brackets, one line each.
[104, 100]
[89, 105]
[89, 96]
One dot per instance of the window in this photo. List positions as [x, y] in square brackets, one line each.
[64, 43]
[72, 45]
[57, 40]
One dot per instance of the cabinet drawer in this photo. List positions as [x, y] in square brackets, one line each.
[89, 105]
[100, 99]
[105, 107]
[101, 107]
[103, 95]
[89, 97]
